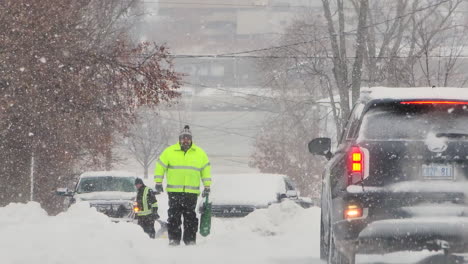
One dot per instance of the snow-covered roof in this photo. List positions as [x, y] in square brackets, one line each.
[105, 196]
[235, 91]
[404, 93]
[108, 173]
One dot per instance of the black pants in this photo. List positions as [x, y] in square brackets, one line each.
[147, 223]
[182, 204]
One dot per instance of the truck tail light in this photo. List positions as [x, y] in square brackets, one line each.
[355, 165]
[353, 211]
[135, 207]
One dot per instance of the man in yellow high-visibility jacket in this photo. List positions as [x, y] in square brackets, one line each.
[184, 165]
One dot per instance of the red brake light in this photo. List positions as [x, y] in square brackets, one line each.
[435, 102]
[357, 156]
[355, 165]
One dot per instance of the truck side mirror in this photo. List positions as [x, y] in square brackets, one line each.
[64, 192]
[321, 146]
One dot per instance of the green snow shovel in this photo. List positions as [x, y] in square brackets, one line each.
[205, 219]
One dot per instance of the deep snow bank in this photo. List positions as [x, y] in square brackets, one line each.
[282, 233]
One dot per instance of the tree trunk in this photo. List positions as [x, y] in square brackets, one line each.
[360, 45]
[145, 167]
[339, 58]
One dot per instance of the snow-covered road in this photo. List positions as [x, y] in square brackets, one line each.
[283, 233]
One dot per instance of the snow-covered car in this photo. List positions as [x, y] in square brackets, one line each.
[110, 192]
[398, 179]
[237, 195]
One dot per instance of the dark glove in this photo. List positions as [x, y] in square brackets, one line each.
[155, 213]
[206, 191]
[158, 188]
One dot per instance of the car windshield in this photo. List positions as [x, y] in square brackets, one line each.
[106, 184]
[410, 122]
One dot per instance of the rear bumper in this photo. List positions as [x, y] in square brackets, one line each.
[414, 234]
[403, 221]
[391, 235]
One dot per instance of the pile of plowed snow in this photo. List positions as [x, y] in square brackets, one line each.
[283, 233]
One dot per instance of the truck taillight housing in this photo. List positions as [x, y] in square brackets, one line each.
[355, 165]
[135, 207]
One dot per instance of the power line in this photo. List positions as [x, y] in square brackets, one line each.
[234, 104]
[256, 95]
[348, 32]
[233, 54]
[226, 132]
[208, 4]
[239, 56]
[229, 91]
[279, 114]
[208, 127]
[234, 161]
[220, 4]
[214, 56]
[216, 128]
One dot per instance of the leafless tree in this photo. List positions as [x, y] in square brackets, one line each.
[147, 137]
[297, 75]
[350, 45]
[412, 37]
[388, 48]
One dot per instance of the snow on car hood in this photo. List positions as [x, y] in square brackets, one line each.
[103, 196]
[247, 189]
[257, 201]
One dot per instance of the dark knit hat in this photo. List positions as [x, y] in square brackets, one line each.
[185, 132]
[138, 181]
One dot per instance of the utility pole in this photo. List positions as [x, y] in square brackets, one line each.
[31, 196]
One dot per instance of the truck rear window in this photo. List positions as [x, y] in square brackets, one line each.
[409, 122]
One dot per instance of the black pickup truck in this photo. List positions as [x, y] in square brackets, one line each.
[398, 179]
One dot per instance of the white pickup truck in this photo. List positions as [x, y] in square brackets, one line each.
[110, 192]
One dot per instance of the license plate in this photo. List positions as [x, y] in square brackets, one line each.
[437, 171]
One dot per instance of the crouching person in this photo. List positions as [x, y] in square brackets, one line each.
[147, 204]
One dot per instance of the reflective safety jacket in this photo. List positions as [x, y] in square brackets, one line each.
[183, 170]
[146, 201]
